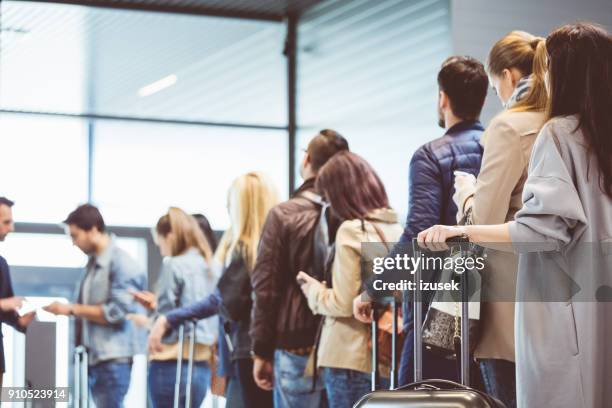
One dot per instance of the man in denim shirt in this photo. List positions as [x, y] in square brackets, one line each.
[102, 305]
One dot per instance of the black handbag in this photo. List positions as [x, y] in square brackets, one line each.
[235, 289]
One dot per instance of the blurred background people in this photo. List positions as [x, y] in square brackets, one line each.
[103, 303]
[517, 67]
[9, 303]
[249, 199]
[358, 198]
[562, 347]
[294, 238]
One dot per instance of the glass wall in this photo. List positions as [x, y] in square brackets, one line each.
[44, 165]
[368, 69]
[142, 169]
[87, 63]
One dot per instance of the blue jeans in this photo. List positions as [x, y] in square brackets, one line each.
[109, 382]
[499, 377]
[345, 387]
[162, 377]
[291, 388]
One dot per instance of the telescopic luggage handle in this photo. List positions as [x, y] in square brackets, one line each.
[179, 364]
[418, 317]
[81, 389]
[394, 322]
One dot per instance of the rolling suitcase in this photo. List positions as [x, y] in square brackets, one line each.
[431, 393]
[81, 386]
[179, 365]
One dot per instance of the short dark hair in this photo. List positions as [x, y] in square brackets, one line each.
[86, 217]
[465, 82]
[6, 201]
[323, 146]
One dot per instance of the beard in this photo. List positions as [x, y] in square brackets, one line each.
[441, 121]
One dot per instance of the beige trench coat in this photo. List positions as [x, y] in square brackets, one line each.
[507, 142]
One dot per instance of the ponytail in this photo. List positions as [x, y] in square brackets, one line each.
[537, 97]
[527, 53]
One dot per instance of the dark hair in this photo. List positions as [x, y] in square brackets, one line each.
[86, 217]
[6, 201]
[209, 234]
[323, 146]
[351, 186]
[465, 82]
[580, 73]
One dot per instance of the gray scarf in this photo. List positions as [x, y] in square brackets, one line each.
[522, 88]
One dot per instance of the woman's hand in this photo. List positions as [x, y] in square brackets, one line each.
[157, 332]
[145, 298]
[306, 282]
[435, 238]
[362, 308]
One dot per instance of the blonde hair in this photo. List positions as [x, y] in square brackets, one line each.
[250, 197]
[186, 233]
[527, 53]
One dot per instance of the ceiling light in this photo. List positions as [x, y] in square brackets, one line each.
[157, 86]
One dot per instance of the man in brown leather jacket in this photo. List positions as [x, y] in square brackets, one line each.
[283, 328]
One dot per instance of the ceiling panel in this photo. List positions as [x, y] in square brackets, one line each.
[273, 10]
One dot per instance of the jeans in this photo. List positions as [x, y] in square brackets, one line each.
[499, 377]
[345, 387]
[162, 377]
[109, 382]
[291, 388]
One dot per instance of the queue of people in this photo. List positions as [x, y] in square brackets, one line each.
[281, 304]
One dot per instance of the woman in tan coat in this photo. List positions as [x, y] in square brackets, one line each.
[516, 67]
[357, 196]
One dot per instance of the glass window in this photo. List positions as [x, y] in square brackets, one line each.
[47, 250]
[368, 70]
[142, 169]
[44, 166]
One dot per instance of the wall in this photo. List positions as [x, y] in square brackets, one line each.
[477, 24]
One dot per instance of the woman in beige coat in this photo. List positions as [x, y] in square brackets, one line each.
[563, 335]
[357, 196]
[516, 67]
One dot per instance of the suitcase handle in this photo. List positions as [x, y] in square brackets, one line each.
[418, 319]
[433, 385]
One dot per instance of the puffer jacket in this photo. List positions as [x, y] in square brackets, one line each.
[281, 318]
[431, 188]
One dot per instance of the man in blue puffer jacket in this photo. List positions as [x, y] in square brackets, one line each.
[463, 86]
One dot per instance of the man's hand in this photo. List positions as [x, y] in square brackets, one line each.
[362, 308]
[25, 320]
[157, 332]
[57, 308]
[11, 304]
[145, 298]
[263, 373]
